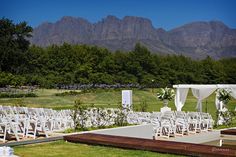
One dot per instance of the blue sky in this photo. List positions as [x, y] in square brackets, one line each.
[167, 14]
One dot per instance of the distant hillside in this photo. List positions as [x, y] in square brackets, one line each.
[197, 39]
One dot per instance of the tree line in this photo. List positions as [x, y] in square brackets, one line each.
[25, 64]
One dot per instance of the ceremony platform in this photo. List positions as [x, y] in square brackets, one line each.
[228, 132]
[161, 146]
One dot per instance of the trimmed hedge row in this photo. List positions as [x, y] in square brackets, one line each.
[19, 95]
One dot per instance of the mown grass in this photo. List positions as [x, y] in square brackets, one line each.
[99, 98]
[67, 149]
[110, 98]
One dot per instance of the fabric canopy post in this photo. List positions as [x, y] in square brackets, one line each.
[200, 94]
[233, 92]
[180, 97]
[201, 91]
[217, 102]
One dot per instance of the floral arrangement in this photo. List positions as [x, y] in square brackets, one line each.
[166, 94]
[223, 95]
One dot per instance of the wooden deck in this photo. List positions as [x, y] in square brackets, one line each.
[228, 132]
[151, 145]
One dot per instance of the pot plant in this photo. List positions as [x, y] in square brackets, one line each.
[223, 114]
[223, 96]
[165, 95]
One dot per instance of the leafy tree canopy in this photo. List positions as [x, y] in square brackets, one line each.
[22, 64]
[13, 45]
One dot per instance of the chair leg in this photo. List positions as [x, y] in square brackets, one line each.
[168, 132]
[4, 129]
[14, 129]
[5, 134]
[27, 128]
[34, 126]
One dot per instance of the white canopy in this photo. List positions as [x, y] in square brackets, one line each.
[199, 91]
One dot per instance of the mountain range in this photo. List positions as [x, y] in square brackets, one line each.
[196, 40]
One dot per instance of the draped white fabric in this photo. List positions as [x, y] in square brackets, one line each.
[233, 92]
[217, 101]
[180, 97]
[219, 104]
[200, 94]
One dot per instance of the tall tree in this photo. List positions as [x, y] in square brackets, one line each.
[13, 44]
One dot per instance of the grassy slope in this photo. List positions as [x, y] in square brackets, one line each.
[66, 149]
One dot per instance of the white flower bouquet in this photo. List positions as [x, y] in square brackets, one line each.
[224, 96]
[166, 94]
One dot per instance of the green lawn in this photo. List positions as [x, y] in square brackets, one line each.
[111, 98]
[67, 149]
[100, 98]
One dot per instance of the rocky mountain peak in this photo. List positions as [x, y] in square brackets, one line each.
[67, 19]
[218, 24]
[139, 21]
[196, 39]
[111, 18]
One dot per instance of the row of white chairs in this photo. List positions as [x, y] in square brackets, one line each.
[172, 123]
[30, 122]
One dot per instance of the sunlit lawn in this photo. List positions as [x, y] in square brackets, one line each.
[66, 149]
[111, 98]
[101, 98]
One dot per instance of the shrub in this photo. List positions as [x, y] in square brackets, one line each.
[30, 95]
[18, 95]
[121, 118]
[79, 115]
[101, 118]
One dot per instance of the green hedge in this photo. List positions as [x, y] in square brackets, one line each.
[19, 95]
